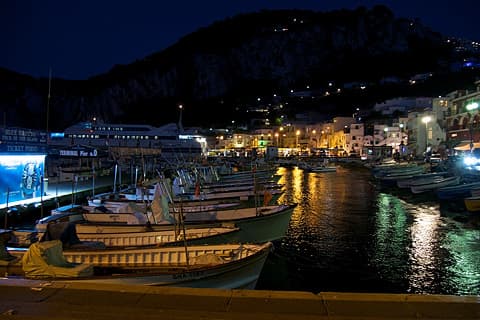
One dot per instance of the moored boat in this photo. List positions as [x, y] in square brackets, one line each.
[458, 191]
[419, 178]
[256, 224]
[437, 183]
[398, 170]
[223, 266]
[191, 236]
[472, 204]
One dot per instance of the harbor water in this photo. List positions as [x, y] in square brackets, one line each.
[349, 235]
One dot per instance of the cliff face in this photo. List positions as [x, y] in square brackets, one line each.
[246, 55]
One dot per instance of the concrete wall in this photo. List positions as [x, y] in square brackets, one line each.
[63, 300]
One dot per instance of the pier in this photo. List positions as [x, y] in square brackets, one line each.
[27, 299]
[56, 193]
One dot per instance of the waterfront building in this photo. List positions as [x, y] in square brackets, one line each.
[354, 139]
[463, 119]
[169, 141]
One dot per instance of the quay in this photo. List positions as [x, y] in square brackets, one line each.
[36, 299]
[56, 194]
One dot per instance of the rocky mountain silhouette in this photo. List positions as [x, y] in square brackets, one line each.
[218, 70]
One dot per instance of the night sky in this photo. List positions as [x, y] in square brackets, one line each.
[79, 39]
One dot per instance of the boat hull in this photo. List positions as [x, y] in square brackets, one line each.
[236, 267]
[257, 225]
[434, 185]
[457, 192]
[472, 204]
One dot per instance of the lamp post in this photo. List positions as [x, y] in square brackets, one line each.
[316, 140]
[470, 107]
[180, 120]
[426, 120]
[276, 136]
[296, 141]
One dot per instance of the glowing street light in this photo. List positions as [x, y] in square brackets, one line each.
[297, 134]
[426, 120]
[472, 106]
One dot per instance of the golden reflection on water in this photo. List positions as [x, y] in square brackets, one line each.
[424, 234]
[344, 226]
[311, 192]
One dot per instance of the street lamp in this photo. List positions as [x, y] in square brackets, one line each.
[470, 107]
[180, 125]
[297, 134]
[316, 140]
[276, 136]
[426, 120]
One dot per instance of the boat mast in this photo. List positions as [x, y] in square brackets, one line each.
[6, 209]
[45, 174]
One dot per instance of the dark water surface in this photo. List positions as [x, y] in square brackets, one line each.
[349, 235]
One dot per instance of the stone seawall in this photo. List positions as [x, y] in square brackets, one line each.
[26, 299]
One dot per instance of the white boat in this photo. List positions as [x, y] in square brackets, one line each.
[434, 185]
[317, 168]
[232, 197]
[256, 225]
[320, 169]
[397, 171]
[419, 178]
[67, 232]
[186, 206]
[458, 191]
[223, 266]
[243, 195]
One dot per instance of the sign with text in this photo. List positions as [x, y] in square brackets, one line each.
[21, 177]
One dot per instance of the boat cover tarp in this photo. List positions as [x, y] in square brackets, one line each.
[63, 231]
[66, 232]
[45, 260]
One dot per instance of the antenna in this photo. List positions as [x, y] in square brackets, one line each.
[48, 98]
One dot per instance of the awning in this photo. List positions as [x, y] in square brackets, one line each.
[465, 146]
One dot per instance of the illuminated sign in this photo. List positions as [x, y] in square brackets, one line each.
[21, 177]
[78, 153]
[18, 140]
[20, 135]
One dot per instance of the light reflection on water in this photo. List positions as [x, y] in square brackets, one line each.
[348, 235]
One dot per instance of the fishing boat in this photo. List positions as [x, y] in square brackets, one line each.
[397, 171]
[232, 266]
[320, 169]
[230, 197]
[472, 204]
[242, 195]
[66, 231]
[457, 192]
[256, 224]
[316, 168]
[419, 178]
[437, 183]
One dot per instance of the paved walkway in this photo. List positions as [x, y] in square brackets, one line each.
[63, 189]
